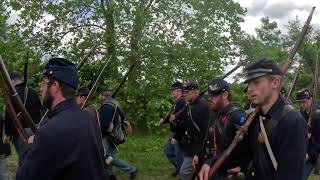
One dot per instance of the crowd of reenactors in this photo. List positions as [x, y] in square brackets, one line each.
[75, 140]
[281, 142]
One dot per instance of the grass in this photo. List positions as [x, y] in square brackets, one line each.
[144, 152]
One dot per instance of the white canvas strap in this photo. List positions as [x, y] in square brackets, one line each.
[266, 142]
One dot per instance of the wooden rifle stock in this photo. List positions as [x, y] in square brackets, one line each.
[314, 91]
[13, 115]
[239, 136]
[10, 95]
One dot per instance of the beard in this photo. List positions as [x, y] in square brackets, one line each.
[47, 100]
[217, 106]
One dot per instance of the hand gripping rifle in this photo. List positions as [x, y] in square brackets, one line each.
[14, 103]
[244, 129]
[203, 92]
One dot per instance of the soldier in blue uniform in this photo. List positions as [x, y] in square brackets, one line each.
[172, 149]
[32, 103]
[191, 131]
[111, 113]
[275, 145]
[66, 146]
[223, 127]
[305, 98]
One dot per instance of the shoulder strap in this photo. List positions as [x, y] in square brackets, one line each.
[98, 118]
[272, 123]
[267, 144]
[26, 90]
[229, 114]
[114, 114]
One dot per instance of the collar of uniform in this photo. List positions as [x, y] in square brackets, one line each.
[275, 109]
[61, 106]
[196, 100]
[182, 98]
[224, 110]
[20, 85]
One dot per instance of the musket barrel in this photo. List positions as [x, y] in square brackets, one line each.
[15, 96]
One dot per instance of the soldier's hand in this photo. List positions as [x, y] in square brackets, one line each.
[172, 118]
[204, 172]
[174, 141]
[161, 121]
[6, 139]
[30, 139]
[307, 157]
[234, 170]
[195, 161]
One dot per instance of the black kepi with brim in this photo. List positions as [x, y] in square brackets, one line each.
[261, 68]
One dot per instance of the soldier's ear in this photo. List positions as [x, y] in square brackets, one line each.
[225, 95]
[276, 83]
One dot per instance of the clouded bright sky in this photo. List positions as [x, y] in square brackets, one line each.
[280, 11]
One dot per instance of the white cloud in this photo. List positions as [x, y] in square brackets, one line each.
[279, 11]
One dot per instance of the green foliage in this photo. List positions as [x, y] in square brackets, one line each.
[171, 39]
[271, 43]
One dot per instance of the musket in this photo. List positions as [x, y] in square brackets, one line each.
[244, 128]
[168, 117]
[93, 88]
[299, 41]
[239, 64]
[15, 96]
[85, 58]
[314, 91]
[294, 83]
[25, 79]
[13, 114]
[124, 79]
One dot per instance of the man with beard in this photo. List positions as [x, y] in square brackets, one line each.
[66, 146]
[226, 122]
[172, 148]
[305, 98]
[275, 144]
[31, 101]
[191, 132]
